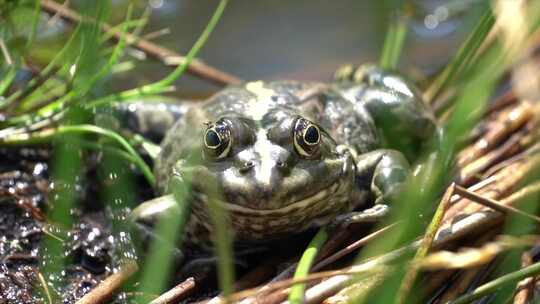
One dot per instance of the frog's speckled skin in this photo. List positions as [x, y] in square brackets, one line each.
[268, 187]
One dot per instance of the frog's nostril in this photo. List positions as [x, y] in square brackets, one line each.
[283, 167]
[247, 166]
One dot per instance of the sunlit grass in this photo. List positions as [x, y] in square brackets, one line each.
[296, 295]
[394, 39]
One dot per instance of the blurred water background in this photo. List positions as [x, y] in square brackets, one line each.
[303, 39]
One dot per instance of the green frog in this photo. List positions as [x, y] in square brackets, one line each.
[281, 157]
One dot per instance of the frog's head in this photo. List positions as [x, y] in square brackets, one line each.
[279, 163]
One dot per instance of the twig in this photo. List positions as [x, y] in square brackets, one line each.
[163, 54]
[525, 287]
[472, 257]
[352, 247]
[511, 160]
[506, 181]
[512, 146]
[506, 99]
[177, 293]
[356, 292]
[157, 33]
[289, 282]
[506, 123]
[493, 204]
[105, 289]
[463, 282]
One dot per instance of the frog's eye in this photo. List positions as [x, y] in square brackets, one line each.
[217, 139]
[307, 137]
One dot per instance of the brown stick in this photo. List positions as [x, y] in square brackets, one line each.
[352, 247]
[177, 293]
[505, 124]
[513, 145]
[158, 52]
[105, 289]
[493, 204]
[525, 287]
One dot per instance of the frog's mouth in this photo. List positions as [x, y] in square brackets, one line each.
[302, 204]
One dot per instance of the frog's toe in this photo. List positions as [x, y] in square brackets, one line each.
[143, 219]
[359, 73]
[145, 238]
[367, 216]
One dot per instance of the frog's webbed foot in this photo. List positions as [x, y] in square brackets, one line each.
[382, 173]
[146, 215]
[202, 262]
[367, 216]
[364, 73]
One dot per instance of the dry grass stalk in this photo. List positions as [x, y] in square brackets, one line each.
[525, 287]
[509, 121]
[106, 288]
[177, 293]
[163, 54]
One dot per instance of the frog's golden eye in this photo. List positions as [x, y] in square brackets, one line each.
[217, 139]
[306, 136]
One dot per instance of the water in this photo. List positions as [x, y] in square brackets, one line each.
[303, 40]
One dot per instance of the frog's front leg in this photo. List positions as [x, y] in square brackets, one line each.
[383, 173]
[144, 218]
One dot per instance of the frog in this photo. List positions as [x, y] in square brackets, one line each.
[283, 157]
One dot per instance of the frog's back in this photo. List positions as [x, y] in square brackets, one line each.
[254, 99]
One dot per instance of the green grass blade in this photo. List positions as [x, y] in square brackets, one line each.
[48, 135]
[393, 43]
[169, 230]
[47, 72]
[223, 245]
[154, 275]
[479, 83]
[296, 296]
[115, 56]
[463, 58]
[83, 86]
[36, 14]
[163, 85]
[7, 79]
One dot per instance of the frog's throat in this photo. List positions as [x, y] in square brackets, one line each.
[297, 205]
